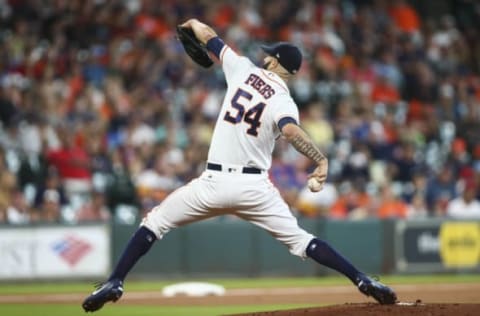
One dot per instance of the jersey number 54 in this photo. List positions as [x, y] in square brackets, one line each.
[251, 117]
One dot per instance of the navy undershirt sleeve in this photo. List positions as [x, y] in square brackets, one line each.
[215, 45]
[285, 120]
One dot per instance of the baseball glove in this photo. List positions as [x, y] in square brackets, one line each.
[196, 50]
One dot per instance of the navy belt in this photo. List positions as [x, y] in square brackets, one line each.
[217, 167]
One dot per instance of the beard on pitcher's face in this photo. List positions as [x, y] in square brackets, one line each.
[267, 62]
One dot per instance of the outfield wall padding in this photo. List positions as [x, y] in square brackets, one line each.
[225, 247]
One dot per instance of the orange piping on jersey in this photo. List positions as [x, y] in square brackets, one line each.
[278, 83]
[223, 53]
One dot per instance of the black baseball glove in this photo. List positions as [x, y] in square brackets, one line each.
[196, 50]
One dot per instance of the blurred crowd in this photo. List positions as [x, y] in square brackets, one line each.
[102, 114]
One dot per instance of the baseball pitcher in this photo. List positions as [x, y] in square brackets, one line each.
[256, 111]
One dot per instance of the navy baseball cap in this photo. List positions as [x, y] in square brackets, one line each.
[288, 55]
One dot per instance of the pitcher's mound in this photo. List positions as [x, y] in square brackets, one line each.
[373, 309]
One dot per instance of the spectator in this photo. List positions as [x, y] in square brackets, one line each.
[52, 183]
[417, 209]
[94, 210]
[73, 165]
[465, 206]
[32, 170]
[384, 92]
[357, 166]
[386, 67]
[417, 188]
[404, 16]
[404, 164]
[459, 159]
[120, 188]
[154, 184]
[353, 202]
[440, 190]
[317, 126]
[50, 207]
[390, 206]
[18, 212]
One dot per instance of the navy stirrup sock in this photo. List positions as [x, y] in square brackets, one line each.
[138, 245]
[322, 253]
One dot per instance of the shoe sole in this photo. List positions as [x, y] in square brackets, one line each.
[91, 306]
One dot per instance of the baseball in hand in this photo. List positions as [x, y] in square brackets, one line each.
[314, 185]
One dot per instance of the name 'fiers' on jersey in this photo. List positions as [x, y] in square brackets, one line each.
[261, 86]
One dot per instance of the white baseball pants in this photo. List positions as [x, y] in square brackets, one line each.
[251, 197]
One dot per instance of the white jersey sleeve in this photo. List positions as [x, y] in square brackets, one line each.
[233, 64]
[285, 108]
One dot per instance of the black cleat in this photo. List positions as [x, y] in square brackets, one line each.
[109, 291]
[380, 292]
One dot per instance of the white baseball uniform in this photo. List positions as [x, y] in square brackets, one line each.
[236, 180]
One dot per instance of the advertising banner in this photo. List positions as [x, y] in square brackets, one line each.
[436, 246]
[54, 252]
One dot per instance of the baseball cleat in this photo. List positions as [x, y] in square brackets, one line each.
[380, 292]
[109, 291]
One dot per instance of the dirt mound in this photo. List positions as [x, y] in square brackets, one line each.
[373, 309]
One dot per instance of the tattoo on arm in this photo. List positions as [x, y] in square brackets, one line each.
[306, 147]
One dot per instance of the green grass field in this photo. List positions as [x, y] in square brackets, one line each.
[142, 310]
[133, 310]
